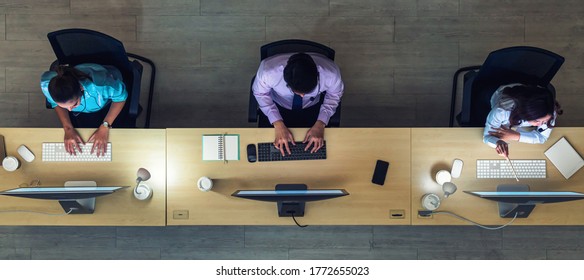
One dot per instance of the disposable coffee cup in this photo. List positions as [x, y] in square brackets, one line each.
[10, 163]
[443, 176]
[205, 184]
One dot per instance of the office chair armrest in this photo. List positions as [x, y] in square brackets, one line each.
[467, 98]
[134, 106]
[252, 113]
[335, 120]
[151, 87]
[455, 89]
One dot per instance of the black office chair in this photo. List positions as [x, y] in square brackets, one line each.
[522, 64]
[76, 46]
[290, 46]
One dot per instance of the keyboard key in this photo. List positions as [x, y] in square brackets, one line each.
[56, 152]
[267, 152]
[500, 169]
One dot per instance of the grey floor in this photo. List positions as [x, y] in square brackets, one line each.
[397, 58]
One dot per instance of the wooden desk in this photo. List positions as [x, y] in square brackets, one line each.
[132, 149]
[434, 149]
[351, 157]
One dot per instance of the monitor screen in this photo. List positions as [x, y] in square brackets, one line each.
[61, 193]
[73, 199]
[528, 197]
[517, 201]
[295, 195]
[290, 198]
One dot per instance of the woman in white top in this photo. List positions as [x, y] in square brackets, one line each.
[531, 110]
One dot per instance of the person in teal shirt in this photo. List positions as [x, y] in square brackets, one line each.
[85, 89]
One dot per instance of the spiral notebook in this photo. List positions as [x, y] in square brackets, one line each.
[221, 147]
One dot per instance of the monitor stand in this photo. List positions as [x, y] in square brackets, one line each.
[291, 208]
[79, 206]
[508, 210]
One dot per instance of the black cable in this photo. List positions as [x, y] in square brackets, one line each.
[294, 218]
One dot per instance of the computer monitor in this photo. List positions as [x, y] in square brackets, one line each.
[518, 200]
[290, 198]
[73, 199]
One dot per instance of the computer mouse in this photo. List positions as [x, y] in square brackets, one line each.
[251, 153]
[25, 153]
[456, 168]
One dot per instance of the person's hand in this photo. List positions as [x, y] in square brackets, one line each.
[99, 139]
[315, 137]
[72, 141]
[504, 133]
[283, 136]
[502, 148]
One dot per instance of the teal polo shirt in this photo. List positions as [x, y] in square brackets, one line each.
[106, 85]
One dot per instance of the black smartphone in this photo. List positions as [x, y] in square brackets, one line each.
[380, 172]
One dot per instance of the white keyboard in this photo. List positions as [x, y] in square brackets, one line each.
[57, 152]
[499, 168]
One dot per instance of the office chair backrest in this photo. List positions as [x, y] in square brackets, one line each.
[522, 64]
[76, 46]
[527, 65]
[295, 46]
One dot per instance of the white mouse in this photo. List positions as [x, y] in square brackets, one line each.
[456, 168]
[25, 153]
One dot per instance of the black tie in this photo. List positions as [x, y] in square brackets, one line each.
[297, 102]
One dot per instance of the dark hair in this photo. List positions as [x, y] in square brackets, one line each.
[66, 86]
[531, 103]
[300, 73]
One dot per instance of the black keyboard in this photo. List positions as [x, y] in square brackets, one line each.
[267, 152]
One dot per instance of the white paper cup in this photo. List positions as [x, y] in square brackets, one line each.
[10, 163]
[442, 177]
[205, 184]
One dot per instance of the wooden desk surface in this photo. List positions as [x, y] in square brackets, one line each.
[351, 157]
[434, 149]
[132, 149]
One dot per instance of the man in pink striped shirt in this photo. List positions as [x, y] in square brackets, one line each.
[290, 85]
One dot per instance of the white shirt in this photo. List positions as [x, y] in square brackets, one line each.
[499, 115]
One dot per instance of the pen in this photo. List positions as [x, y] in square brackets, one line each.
[512, 168]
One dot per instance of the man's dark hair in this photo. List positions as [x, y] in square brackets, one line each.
[300, 73]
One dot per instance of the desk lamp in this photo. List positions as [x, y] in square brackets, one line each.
[142, 191]
[448, 188]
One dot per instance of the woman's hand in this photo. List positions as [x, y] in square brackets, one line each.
[99, 139]
[502, 148]
[315, 137]
[505, 133]
[283, 136]
[72, 141]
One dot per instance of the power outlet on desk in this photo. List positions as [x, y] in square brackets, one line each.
[397, 214]
[425, 214]
[180, 214]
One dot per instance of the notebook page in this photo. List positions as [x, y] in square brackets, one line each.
[216, 146]
[213, 147]
[232, 147]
